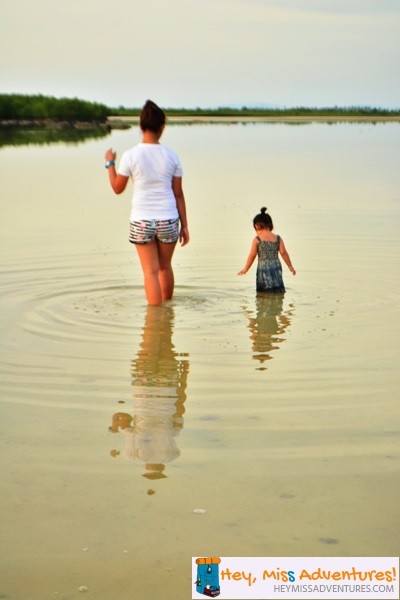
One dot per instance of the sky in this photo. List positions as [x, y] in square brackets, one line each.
[204, 53]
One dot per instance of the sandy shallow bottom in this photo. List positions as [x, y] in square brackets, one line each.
[278, 417]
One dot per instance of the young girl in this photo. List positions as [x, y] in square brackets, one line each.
[266, 245]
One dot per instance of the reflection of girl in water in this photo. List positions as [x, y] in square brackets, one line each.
[268, 325]
[159, 380]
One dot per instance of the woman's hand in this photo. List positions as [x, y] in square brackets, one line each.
[184, 236]
[110, 154]
[243, 272]
[118, 182]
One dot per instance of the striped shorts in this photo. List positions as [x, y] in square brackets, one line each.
[144, 231]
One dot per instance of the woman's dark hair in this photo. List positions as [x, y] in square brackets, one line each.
[152, 117]
[264, 219]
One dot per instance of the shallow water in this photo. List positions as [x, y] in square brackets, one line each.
[278, 417]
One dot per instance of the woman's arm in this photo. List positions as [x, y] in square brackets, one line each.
[181, 206]
[118, 182]
[250, 258]
[284, 253]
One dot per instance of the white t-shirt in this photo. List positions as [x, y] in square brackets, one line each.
[151, 167]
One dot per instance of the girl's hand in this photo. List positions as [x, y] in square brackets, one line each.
[242, 272]
[110, 154]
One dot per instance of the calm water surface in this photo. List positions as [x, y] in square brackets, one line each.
[276, 416]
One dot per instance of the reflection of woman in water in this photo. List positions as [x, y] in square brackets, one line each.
[159, 380]
[268, 325]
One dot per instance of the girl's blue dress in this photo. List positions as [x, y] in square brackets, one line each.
[269, 268]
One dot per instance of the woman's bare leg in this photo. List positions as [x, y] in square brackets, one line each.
[166, 274]
[148, 254]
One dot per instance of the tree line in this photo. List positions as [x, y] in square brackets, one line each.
[227, 111]
[20, 107]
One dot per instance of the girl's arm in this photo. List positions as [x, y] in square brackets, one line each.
[118, 182]
[181, 206]
[284, 253]
[250, 258]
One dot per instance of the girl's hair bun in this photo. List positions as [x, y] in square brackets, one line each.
[263, 210]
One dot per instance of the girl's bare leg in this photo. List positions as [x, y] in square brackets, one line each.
[148, 254]
[166, 274]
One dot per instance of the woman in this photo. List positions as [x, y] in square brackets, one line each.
[158, 202]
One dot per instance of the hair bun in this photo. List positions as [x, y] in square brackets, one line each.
[263, 210]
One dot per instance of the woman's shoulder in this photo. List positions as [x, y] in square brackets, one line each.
[131, 151]
[170, 151]
[142, 148]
